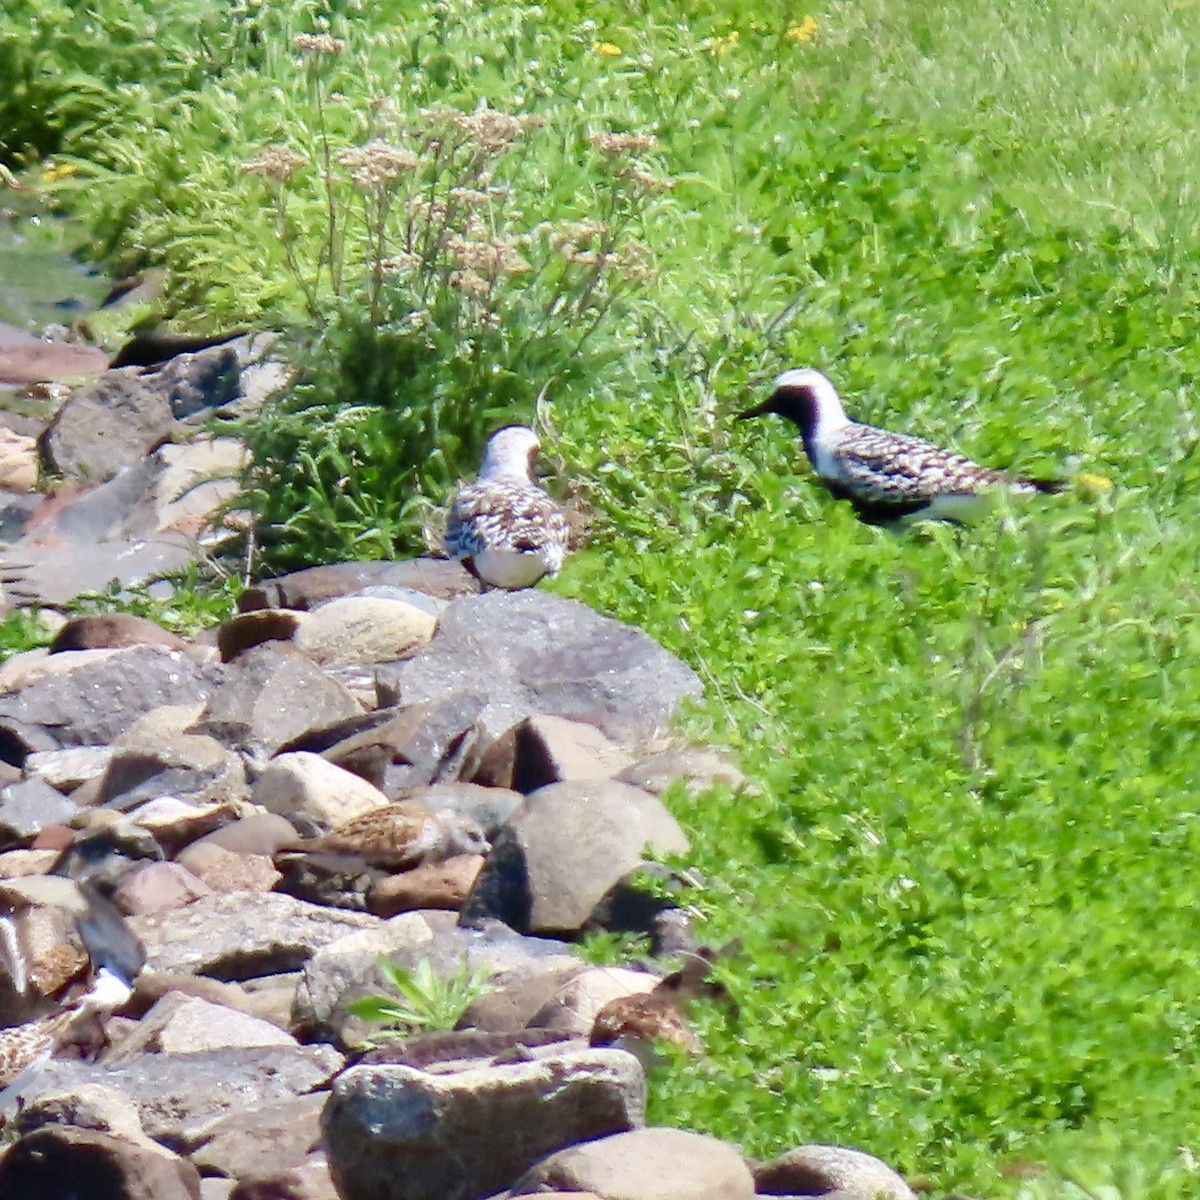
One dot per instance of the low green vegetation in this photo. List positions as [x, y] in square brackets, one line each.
[963, 871]
[421, 1000]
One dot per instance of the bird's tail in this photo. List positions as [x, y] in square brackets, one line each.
[1050, 487]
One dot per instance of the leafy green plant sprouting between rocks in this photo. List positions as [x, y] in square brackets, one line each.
[423, 1000]
[441, 308]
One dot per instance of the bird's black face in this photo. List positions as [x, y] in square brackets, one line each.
[796, 403]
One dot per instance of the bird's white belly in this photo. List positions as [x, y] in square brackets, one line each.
[964, 508]
[510, 569]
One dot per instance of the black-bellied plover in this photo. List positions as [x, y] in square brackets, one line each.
[886, 476]
[504, 527]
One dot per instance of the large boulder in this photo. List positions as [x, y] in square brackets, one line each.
[395, 1132]
[534, 652]
[564, 849]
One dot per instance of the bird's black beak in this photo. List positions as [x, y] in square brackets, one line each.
[759, 410]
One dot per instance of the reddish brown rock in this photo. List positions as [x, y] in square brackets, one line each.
[40, 362]
[227, 871]
[435, 885]
[157, 887]
[253, 628]
[104, 631]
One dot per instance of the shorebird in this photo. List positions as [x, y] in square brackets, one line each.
[23, 1048]
[503, 526]
[886, 476]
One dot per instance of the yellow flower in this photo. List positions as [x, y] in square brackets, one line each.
[54, 172]
[804, 32]
[1098, 483]
[608, 50]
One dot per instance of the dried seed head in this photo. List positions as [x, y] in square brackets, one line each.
[614, 144]
[497, 257]
[577, 233]
[318, 45]
[275, 162]
[469, 282]
[402, 261]
[646, 181]
[376, 164]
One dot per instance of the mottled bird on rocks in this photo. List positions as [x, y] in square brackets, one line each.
[23, 1048]
[886, 476]
[505, 528]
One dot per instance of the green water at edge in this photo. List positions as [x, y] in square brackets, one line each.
[41, 283]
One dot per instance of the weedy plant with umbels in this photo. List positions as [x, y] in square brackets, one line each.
[443, 304]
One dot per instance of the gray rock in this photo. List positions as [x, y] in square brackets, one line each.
[306, 589]
[52, 1162]
[198, 769]
[270, 695]
[401, 749]
[26, 808]
[815, 1169]
[118, 418]
[645, 1164]
[539, 653]
[178, 1095]
[97, 702]
[308, 785]
[179, 1024]
[564, 849]
[157, 887]
[489, 807]
[552, 750]
[67, 769]
[88, 1106]
[242, 935]
[510, 1007]
[261, 1141]
[699, 767]
[397, 1132]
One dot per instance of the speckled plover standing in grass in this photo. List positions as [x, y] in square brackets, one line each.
[886, 476]
[503, 526]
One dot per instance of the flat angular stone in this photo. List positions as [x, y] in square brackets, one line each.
[262, 1140]
[179, 1024]
[177, 1095]
[306, 589]
[534, 652]
[28, 807]
[242, 935]
[93, 704]
[306, 784]
[270, 695]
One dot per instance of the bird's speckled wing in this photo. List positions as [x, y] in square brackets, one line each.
[506, 516]
[879, 467]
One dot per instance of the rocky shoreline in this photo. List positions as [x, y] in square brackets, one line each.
[370, 761]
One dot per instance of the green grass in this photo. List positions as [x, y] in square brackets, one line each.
[964, 871]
